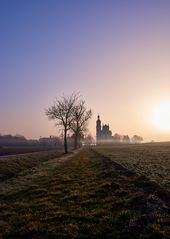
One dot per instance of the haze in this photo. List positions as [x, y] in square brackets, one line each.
[115, 53]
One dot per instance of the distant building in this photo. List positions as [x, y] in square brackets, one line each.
[11, 141]
[103, 133]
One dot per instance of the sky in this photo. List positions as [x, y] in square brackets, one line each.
[115, 53]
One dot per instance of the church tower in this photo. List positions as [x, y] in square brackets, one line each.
[98, 128]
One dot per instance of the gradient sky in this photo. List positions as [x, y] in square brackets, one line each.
[116, 53]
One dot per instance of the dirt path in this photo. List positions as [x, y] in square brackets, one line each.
[85, 195]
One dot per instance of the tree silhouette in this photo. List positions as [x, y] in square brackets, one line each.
[80, 117]
[137, 139]
[126, 139]
[62, 112]
[88, 140]
[117, 138]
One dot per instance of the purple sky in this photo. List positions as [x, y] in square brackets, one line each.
[116, 53]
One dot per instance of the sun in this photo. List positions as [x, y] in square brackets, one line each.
[161, 116]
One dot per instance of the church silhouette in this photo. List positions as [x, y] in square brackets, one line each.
[103, 133]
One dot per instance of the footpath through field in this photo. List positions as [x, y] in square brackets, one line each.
[85, 195]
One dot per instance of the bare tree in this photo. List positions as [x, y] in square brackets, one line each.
[117, 138]
[88, 140]
[137, 139]
[126, 139]
[61, 111]
[80, 117]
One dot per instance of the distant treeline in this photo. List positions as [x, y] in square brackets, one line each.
[118, 138]
[20, 141]
[126, 139]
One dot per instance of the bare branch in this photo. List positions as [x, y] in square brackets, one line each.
[80, 117]
[61, 112]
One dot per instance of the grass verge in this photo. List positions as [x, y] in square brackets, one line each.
[10, 167]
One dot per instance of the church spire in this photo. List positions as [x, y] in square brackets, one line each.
[98, 128]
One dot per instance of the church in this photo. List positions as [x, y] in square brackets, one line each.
[103, 133]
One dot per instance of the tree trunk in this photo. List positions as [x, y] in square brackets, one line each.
[75, 140]
[65, 141]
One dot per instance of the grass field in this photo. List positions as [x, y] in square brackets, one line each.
[151, 160]
[21, 150]
[10, 166]
[83, 195]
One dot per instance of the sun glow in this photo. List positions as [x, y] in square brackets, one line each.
[161, 116]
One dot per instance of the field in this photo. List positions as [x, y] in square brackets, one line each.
[86, 194]
[151, 160]
[12, 165]
[21, 150]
